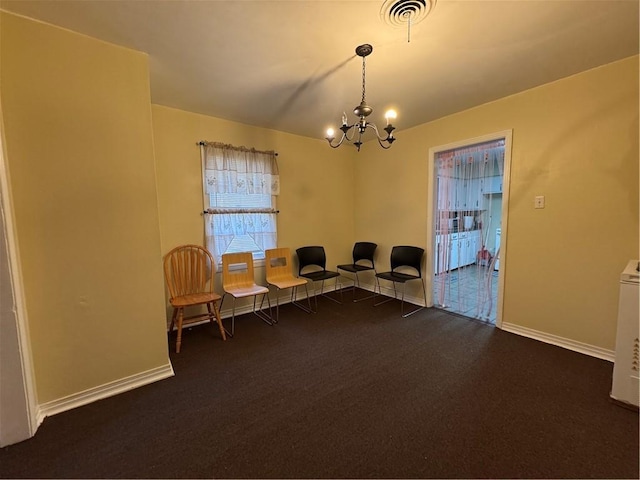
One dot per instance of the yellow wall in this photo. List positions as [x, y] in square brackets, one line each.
[79, 146]
[317, 190]
[94, 214]
[575, 141]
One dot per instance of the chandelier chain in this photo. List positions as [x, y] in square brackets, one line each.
[363, 79]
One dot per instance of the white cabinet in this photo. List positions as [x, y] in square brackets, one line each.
[471, 245]
[468, 247]
[475, 194]
[458, 194]
[447, 190]
[447, 252]
[455, 250]
[463, 247]
[463, 194]
[470, 194]
[438, 257]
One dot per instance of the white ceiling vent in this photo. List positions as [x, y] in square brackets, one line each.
[403, 13]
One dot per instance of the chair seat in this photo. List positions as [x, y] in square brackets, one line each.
[285, 282]
[194, 299]
[248, 291]
[396, 276]
[320, 275]
[354, 268]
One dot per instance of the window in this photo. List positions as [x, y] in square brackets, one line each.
[240, 188]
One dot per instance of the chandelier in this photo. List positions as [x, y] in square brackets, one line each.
[362, 111]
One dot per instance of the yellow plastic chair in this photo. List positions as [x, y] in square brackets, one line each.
[238, 281]
[279, 273]
[188, 271]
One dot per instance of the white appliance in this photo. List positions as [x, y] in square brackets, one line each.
[497, 263]
[626, 387]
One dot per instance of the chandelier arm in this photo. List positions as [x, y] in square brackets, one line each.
[330, 140]
[389, 138]
[346, 129]
[386, 147]
[375, 129]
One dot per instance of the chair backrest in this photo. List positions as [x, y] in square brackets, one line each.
[364, 251]
[406, 256]
[311, 256]
[278, 264]
[189, 269]
[237, 270]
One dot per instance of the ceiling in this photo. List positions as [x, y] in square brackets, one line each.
[290, 65]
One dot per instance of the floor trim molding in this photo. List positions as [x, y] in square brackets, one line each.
[585, 348]
[104, 391]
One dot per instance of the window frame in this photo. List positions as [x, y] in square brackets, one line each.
[259, 255]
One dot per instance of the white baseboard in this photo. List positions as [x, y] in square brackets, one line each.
[591, 350]
[103, 391]
[160, 373]
[567, 343]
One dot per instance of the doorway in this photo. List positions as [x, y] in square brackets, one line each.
[468, 232]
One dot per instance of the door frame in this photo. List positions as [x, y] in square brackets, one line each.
[432, 193]
[19, 414]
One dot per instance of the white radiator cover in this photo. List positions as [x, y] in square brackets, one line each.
[626, 371]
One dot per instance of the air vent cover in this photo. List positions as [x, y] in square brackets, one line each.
[400, 13]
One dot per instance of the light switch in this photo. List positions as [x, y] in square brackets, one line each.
[539, 201]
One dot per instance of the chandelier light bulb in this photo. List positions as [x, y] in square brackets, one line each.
[330, 133]
[390, 115]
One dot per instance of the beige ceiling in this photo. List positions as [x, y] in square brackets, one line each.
[291, 66]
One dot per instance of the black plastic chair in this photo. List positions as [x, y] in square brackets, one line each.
[312, 264]
[362, 262]
[403, 258]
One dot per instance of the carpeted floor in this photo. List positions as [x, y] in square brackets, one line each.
[350, 392]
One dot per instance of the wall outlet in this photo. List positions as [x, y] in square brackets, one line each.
[538, 201]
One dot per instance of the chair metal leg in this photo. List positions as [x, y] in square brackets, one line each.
[357, 283]
[277, 305]
[388, 299]
[315, 297]
[326, 295]
[268, 319]
[294, 294]
[229, 333]
[293, 301]
[233, 317]
[395, 297]
[424, 292]
[259, 313]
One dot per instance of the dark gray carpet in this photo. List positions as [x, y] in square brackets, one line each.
[350, 392]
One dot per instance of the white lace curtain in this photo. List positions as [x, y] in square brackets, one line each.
[238, 186]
